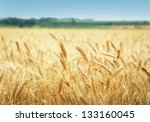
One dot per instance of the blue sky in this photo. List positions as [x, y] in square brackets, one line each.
[83, 9]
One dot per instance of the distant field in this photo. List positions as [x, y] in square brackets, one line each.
[74, 66]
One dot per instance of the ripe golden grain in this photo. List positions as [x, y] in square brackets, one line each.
[63, 50]
[114, 74]
[1, 77]
[84, 100]
[18, 48]
[113, 46]
[82, 53]
[53, 36]
[63, 62]
[60, 86]
[144, 70]
[92, 47]
[107, 46]
[118, 54]
[27, 48]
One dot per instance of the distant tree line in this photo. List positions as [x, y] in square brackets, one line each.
[68, 22]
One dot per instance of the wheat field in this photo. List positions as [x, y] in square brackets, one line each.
[41, 66]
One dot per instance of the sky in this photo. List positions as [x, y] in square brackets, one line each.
[82, 9]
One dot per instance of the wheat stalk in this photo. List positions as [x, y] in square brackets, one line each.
[1, 77]
[18, 48]
[63, 62]
[63, 50]
[144, 70]
[92, 47]
[82, 53]
[53, 36]
[26, 46]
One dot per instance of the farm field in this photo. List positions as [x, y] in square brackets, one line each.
[40, 66]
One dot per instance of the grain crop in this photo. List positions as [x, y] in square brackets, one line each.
[74, 66]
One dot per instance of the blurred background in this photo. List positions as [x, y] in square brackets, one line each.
[74, 13]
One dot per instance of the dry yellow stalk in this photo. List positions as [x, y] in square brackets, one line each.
[82, 53]
[63, 50]
[26, 46]
[18, 48]
[53, 36]
[144, 70]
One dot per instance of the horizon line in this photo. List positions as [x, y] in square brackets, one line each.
[92, 19]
